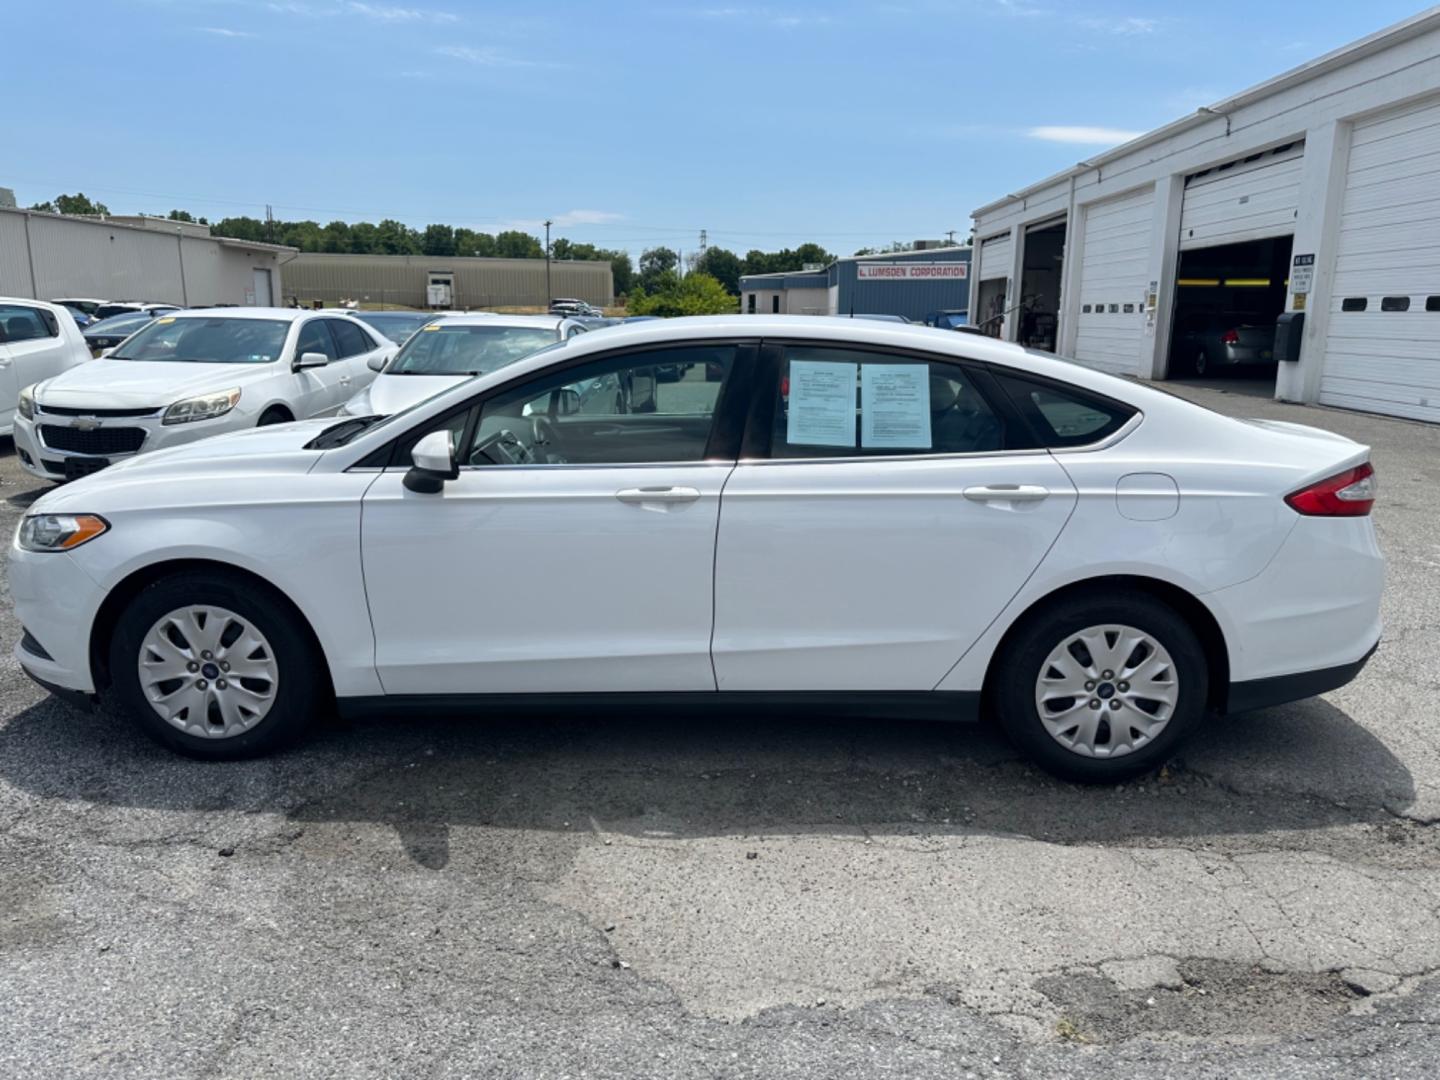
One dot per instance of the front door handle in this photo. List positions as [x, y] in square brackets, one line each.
[658, 495]
[1007, 493]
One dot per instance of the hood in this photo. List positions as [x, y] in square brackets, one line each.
[134, 384]
[273, 450]
[390, 394]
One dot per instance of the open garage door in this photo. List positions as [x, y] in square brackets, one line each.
[1382, 351]
[996, 260]
[1113, 276]
[1250, 199]
[1227, 300]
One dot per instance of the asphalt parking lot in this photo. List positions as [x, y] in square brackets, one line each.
[741, 896]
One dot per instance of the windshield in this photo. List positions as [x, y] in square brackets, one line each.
[447, 349]
[395, 325]
[217, 340]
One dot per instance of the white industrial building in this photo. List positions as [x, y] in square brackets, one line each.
[1315, 192]
[44, 256]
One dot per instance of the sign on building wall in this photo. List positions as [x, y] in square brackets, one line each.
[911, 271]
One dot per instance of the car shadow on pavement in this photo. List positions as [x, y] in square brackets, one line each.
[691, 775]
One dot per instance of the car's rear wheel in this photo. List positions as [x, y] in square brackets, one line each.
[1202, 364]
[213, 667]
[1100, 690]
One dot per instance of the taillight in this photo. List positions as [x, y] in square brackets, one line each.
[1347, 494]
[1230, 337]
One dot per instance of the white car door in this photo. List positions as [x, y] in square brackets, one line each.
[318, 390]
[33, 346]
[575, 550]
[355, 344]
[888, 526]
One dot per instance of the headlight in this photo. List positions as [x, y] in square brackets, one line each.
[59, 532]
[27, 402]
[201, 408]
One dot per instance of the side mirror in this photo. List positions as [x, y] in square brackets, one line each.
[434, 463]
[378, 361]
[311, 359]
[568, 403]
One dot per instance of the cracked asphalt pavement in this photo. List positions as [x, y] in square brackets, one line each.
[757, 895]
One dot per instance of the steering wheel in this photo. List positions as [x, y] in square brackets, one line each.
[544, 436]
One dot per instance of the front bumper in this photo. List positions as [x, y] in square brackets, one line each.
[107, 446]
[56, 602]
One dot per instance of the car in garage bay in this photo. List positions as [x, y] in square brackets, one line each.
[37, 341]
[856, 517]
[1208, 342]
[188, 375]
[451, 349]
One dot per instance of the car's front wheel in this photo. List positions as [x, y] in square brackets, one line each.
[1099, 690]
[214, 667]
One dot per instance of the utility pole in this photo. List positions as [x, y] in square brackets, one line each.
[269, 224]
[950, 237]
[704, 243]
[549, 294]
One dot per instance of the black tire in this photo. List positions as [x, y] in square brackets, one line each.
[301, 689]
[1201, 364]
[274, 415]
[1018, 667]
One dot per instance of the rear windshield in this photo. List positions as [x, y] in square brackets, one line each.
[395, 325]
[216, 340]
[441, 349]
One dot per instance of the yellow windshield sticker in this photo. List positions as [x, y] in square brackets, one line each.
[432, 326]
[164, 322]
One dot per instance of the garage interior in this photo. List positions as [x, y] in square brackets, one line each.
[1227, 299]
[1040, 285]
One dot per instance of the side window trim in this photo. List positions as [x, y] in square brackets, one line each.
[757, 445]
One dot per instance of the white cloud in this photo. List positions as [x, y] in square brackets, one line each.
[1125, 25]
[375, 12]
[787, 20]
[488, 56]
[568, 219]
[222, 31]
[1089, 136]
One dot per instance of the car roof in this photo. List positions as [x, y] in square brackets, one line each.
[490, 318]
[285, 314]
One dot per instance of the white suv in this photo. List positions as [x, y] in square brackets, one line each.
[37, 340]
[191, 374]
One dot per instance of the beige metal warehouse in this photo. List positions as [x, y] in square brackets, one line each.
[1316, 192]
[405, 280]
[44, 256]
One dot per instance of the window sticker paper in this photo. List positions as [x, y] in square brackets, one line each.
[821, 404]
[895, 406]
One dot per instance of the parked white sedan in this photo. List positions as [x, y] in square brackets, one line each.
[447, 351]
[841, 512]
[37, 340]
[189, 375]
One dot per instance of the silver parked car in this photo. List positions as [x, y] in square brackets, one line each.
[1209, 341]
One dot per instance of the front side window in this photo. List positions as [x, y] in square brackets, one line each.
[216, 340]
[315, 337]
[637, 408]
[835, 402]
[19, 322]
[443, 348]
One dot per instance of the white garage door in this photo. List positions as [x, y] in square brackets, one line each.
[1250, 199]
[1114, 267]
[1382, 352]
[996, 257]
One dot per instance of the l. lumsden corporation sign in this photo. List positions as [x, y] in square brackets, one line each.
[910, 271]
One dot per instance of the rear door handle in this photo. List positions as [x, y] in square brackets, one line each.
[1007, 493]
[658, 495]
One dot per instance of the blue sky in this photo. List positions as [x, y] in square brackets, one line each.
[630, 124]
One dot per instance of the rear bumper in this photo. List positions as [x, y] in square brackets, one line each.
[1279, 689]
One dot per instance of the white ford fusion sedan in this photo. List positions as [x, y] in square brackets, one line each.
[450, 350]
[853, 514]
[191, 374]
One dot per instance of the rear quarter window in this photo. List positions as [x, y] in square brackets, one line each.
[1063, 416]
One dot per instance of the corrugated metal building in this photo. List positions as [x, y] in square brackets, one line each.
[402, 280]
[44, 256]
[1310, 200]
[912, 284]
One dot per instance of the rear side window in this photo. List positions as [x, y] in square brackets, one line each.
[835, 402]
[1063, 416]
[350, 340]
[19, 322]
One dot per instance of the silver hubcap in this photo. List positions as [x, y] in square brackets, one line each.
[208, 672]
[1107, 691]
